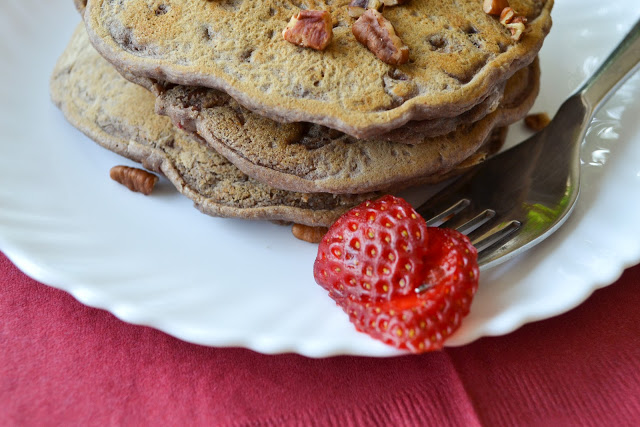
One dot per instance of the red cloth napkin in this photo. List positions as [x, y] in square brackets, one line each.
[62, 363]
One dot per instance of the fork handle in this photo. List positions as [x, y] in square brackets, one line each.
[615, 70]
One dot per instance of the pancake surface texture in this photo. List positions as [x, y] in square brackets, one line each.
[458, 55]
[120, 116]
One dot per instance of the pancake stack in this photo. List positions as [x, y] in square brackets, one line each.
[256, 127]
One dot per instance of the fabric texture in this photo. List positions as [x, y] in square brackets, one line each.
[62, 363]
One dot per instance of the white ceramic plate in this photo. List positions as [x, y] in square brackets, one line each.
[157, 261]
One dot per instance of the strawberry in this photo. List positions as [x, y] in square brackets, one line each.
[373, 252]
[367, 284]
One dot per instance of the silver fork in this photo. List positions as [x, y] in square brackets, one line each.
[515, 200]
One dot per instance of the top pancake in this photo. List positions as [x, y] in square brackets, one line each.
[458, 55]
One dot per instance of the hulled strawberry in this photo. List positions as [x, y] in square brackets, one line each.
[399, 281]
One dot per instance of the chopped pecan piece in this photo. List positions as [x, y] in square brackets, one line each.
[494, 7]
[358, 7]
[375, 32]
[537, 122]
[308, 233]
[515, 23]
[310, 28]
[134, 179]
[506, 15]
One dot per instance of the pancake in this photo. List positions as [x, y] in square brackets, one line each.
[458, 55]
[414, 132]
[312, 158]
[119, 116]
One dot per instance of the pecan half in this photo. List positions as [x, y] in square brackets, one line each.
[494, 7]
[515, 23]
[310, 28]
[375, 32]
[537, 122]
[308, 233]
[134, 179]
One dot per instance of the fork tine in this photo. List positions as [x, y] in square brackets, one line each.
[496, 234]
[444, 214]
[476, 222]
